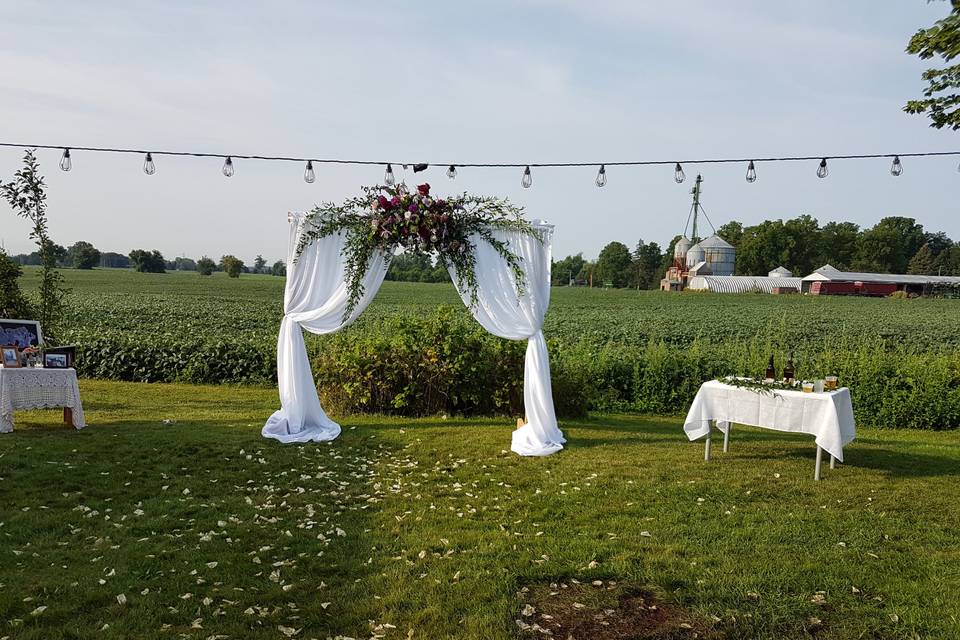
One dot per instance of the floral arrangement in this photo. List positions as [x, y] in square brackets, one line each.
[760, 385]
[386, 219]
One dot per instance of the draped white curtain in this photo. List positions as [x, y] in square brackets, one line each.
[504, 313]
[315, 299]
[316, 296]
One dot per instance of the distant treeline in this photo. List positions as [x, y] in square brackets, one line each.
[893, 245]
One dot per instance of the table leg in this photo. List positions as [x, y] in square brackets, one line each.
[68, 416]
[726, 438]
[833, 462]
[816, 471]
[706, 448]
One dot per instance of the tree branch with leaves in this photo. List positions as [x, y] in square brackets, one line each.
[941, 99]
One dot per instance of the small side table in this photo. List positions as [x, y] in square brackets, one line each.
[34, 388]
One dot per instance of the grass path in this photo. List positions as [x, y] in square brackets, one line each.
[431, 529]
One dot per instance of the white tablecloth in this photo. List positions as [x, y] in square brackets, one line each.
[32, 388]
[827, 416]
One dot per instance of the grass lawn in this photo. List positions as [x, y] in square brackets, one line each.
[432, 529]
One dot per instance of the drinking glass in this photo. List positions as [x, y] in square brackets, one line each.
[831, 383]
[808, 387]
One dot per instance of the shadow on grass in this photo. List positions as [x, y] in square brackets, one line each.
[896, 464]
[219, 490]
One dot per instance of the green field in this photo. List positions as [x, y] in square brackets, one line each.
[431, 529]
[611, 350]
[183, 304]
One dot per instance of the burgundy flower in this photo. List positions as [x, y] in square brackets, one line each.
[383, 202]
[412, 208]
[423, 189]
[395, 201]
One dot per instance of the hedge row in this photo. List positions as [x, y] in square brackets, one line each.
[446, 363]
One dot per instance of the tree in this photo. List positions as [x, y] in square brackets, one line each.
[948, 262]
[614, 265]
[888, 246]
[803, 233]
[924, 262]
[83, 255]
[567, 269]
[27, 197]
[13, 304]
[645, 273]
[837, 245]
[232, 265]
[114, 260]
[731, 232]
[763, 247]
[205, 266]
[148, 261]
[259, 265]
[279, 268]
[941, 101]
[184, 264]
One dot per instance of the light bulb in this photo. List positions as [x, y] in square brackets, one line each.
[527, 179]
[388, 177]
[822, 171]
[602, 176]
[308, 175]
[65, 162]
[148, 167]
[678, 174]
[896, 168]
[751, 173]
[451, 172]
[228, 167]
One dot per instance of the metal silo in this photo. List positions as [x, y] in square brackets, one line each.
[695, 254]
[680, 249]
[719, 255]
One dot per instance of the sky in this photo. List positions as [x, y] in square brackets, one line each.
[447, 82]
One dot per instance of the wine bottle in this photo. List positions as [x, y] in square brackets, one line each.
[788, 372]
[771, 372]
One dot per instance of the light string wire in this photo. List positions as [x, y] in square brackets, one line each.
[624, 163]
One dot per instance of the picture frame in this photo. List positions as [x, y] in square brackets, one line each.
[55, 361]
[10, 356]
[20, 333]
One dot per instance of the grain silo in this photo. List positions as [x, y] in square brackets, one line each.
[719, 255]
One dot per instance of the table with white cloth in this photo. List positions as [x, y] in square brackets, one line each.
[828, 416]
[35, 388]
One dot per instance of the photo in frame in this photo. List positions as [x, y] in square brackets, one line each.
[20, 333]
[10, 356]
[55, 361]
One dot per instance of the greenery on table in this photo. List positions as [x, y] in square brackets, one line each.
[26, 195]
[385, 219]
[760, 385]
[443, 529]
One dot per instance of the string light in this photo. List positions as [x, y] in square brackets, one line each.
[452, 172]
[148, 167]
[66, 162]
[822, 171]
[308, 174]
[602, 176]
[751, 173]
[527, 179]
[388, 178]
[896, 168]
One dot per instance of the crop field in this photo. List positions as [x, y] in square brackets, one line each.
[615, 350]
[184, 305]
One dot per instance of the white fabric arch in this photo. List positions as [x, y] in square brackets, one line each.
[316, 297]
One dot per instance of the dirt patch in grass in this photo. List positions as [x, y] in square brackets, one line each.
[604, 610]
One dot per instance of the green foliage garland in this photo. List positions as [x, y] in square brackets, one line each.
[386, 218]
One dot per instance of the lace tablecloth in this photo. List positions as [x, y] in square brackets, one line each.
[32, 388]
